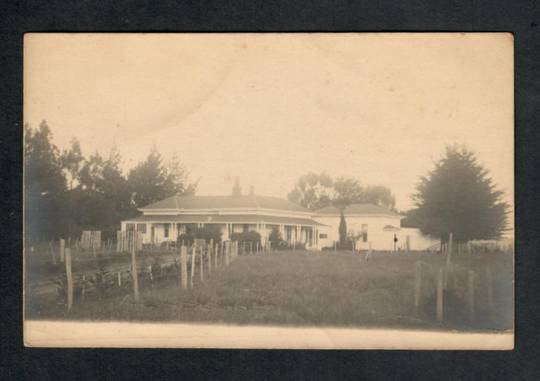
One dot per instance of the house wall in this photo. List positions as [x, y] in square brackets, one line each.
[377, 236]
[380, 239]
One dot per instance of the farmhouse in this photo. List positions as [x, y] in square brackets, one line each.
[165, 220]
[168, 218]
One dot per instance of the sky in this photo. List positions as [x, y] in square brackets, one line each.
[269, 108]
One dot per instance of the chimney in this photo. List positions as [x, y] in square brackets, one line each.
[236, 191]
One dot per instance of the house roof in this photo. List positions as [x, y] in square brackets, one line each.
[224, 202]
[356, 209]
[219, 218]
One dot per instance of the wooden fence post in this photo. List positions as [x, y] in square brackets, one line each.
[417, 284]
[183, 267]
[440, 301]
[134, 268]
[62, 249]
[209, 248]
[216, 253]
[119, 276]
[201, 251]
[83, 287]
[470, 293]
[193, 256]
[489, 281]
[449, 250]
[52, 253]
[69, 277]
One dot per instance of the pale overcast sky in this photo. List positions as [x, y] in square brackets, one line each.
[269, 108]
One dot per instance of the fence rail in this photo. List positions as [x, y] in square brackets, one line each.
[185, 263]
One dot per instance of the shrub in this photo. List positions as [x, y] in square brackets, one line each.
[247, 237]
[275, 238]
[207, 233]
[280, 245]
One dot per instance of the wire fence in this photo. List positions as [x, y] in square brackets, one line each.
[72, 274]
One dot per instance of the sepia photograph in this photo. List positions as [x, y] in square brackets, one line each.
[273, 190]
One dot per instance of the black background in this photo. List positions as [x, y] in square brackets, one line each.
[519, 17]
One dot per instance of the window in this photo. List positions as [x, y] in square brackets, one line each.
[166, 231]
[130, 227]
[141, 228]
[323, 236]
[364, 233]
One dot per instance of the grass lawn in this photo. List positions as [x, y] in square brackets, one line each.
[307, 288]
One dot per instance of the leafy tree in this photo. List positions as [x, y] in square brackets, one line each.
[103, 197]
[347, 192]
[458, 197]
[379, 195]
[91, 173]
[98, 195]
[151, 180]
[313, 191]
[44, 186]
[177, 178]
[71, 161]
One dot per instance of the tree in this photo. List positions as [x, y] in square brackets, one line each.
[151, 180]
[44, 186]
[102, 198]
[177, 178]
[347, 192]
[458, 197]
[91, 173]
[342, 229]
[313, 191]
[379, 195]
[71, 161]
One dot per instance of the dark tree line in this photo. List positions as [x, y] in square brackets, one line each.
[65, 192]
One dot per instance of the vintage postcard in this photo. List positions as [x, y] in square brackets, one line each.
[282, 190]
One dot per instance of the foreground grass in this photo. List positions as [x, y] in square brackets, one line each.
[301, 288]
